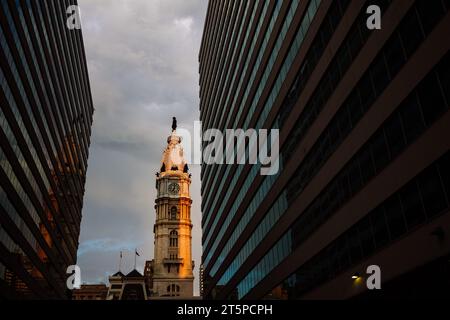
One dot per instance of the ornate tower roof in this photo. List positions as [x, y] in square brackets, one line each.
[173, 156]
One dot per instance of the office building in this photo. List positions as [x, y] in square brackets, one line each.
[364, 154]
[46, 116]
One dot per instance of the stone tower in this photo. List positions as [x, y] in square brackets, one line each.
[172, 267]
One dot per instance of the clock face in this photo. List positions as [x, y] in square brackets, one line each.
[174, 188]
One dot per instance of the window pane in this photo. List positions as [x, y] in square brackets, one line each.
[432, 193]
[355, 247]
[355, 178]
[444, 171]
[366, 236]
[394, 216]
[395, 57]
[431, 99]
[444, 76]
[412, 118]
[380, 152]
[366, 164]
[394, 135]
[380, 75]
[430, 12]
[412, 205]
[380, 228]
[411, 33]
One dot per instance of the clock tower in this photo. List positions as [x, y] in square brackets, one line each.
[171, 271]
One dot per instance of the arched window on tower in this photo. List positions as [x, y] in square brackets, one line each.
[173, 290]
[174, 239]
[173, 213]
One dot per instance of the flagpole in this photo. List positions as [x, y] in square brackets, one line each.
[120, 262]
[135, 258]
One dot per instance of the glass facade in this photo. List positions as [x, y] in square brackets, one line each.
[420, 201]
[370, 161]
[319, 75]
[255, 170]
[46, 117]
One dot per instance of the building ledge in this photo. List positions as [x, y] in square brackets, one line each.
[173, 261]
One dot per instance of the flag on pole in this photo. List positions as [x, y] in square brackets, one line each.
[120, 261]
[135, 257]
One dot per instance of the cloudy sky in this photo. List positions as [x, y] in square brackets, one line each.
[143, 63]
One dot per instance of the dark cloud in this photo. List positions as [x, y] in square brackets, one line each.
[143, 62]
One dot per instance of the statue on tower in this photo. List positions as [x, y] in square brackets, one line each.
[173, 156]
[174, 124]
